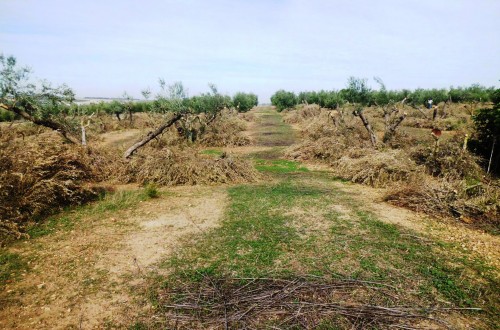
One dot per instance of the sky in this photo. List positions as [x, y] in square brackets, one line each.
[107, 47]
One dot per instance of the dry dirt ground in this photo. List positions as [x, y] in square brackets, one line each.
[87, 278]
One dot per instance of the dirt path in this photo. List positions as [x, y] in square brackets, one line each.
[86, 278]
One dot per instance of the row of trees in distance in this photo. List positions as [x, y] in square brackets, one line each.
[53, 107]
[358, 91]
[205, 102]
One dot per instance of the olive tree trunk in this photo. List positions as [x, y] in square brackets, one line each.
[373, 137]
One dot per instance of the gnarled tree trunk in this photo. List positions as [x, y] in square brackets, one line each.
[373, 137]
[391, 129]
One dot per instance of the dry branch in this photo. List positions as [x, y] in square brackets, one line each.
[302, 302]
[391, 128]
[151, 135]
[421, 111]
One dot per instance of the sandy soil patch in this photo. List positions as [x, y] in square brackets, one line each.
[86, 278]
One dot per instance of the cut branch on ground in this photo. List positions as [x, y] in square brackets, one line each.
[306, 302]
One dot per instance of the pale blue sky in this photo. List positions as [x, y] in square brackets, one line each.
[106, 47]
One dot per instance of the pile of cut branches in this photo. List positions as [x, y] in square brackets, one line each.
[175, 166]
[39, 177]
[302, 302]
[438, 176]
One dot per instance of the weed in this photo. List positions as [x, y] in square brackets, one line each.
[151, 190]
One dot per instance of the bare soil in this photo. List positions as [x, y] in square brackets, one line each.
[122, 138]
[86, 278]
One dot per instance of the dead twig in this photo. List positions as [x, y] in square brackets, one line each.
[303, 301]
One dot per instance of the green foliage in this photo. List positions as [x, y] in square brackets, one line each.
[326, 99]
[487, 122]
[6, 115]
[211, 103]
[473, 93]
[171, 98]
[19, 94]
[115, 108]
[283, 100]
[357, 91]
[245, 101]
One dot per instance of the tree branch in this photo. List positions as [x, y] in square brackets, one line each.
[391, 129]
[42, 122]
[151, 135]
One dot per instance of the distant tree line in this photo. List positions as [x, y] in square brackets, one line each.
[357, 91]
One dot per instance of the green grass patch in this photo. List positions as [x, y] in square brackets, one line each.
[70, 217]
[212, 152]
[11, 266]
[272, 130]
[293, 228]
[271, 153]
[279, 166]
[151, 190]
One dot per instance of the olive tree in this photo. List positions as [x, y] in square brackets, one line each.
[36, 102]
[192, 114]
[243, 102]
[283, 100]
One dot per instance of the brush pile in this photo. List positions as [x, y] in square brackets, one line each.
[302, 114]
[303, 302]
[451, 183]
[225, 131]
[176, 166]
[40, 176]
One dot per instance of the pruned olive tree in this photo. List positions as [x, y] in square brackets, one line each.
[35, 102]
[361, 95]
[192, 115]
[169, 101]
